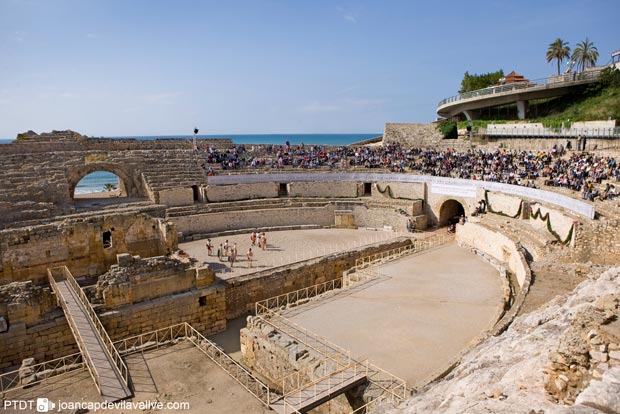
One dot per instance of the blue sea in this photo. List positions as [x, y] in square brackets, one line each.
[95, 181]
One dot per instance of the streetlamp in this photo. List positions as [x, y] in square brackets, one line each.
[195, 133]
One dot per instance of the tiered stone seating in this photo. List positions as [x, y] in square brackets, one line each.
[171, 168]
[256, 204]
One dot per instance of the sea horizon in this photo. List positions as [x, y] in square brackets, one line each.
[275, 139]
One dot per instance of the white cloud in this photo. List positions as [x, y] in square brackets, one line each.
[347, 14]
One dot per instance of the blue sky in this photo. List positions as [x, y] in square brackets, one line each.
[147, 67]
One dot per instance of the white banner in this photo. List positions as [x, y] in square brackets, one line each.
[464, 191]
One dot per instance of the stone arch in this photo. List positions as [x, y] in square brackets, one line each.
[449, 209]
[132, 187]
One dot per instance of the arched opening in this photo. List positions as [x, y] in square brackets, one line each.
[450, 212]
[100, 184]
[196, 193]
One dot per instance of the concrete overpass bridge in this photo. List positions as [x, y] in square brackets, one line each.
[520, 93]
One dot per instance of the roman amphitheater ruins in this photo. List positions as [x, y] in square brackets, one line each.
[361, 301]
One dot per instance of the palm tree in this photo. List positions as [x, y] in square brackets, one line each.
[585, 54]
[109, 187]
[559, 51]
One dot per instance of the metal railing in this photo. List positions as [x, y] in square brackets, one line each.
[108, 345]
[392, 387]
[417, 245]
[561, 80]
[184, 331]
[357, 274]
[297, 297]
[13, 379]
[519, 132]
[391, 384]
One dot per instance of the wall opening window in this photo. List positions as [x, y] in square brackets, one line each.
[283, 190]
[107, 239]
[202, 301]
[367, 189]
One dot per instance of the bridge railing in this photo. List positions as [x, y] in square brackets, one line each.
[574, 77]
[108, 345]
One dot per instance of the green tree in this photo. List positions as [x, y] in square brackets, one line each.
[558, 50]
[585, 54]
[109, 187]
[475, 81]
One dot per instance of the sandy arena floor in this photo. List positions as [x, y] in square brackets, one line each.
[175, 374]
[416, 319]
[284, 247]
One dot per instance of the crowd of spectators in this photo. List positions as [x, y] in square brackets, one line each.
[578, 171]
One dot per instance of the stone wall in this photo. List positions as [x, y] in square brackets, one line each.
[408, 191]
[380, 218]
[597, 242]
[218, 193]
[46, 334]
[72, 141]
[203, 308]
[276, 355]
[44, 341]
[41, 171]
[413, 135]
[503, 204]
[135, 279]
[544, 218]
[244, 291]
[178, 196]
[251, 219]
[323, 189]
[495, 244]
[77, 243]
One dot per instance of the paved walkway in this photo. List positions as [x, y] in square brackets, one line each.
[416, 319]
[111, 385]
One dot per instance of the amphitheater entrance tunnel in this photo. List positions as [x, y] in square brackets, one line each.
[450, 211]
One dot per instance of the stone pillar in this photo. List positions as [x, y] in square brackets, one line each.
[522, 108]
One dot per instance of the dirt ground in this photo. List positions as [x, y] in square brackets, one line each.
[177, 374]
[284, 247]
[417, 317]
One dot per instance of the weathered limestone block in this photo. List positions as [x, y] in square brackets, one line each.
[602, 395]
[26, 372]
[204, 276]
